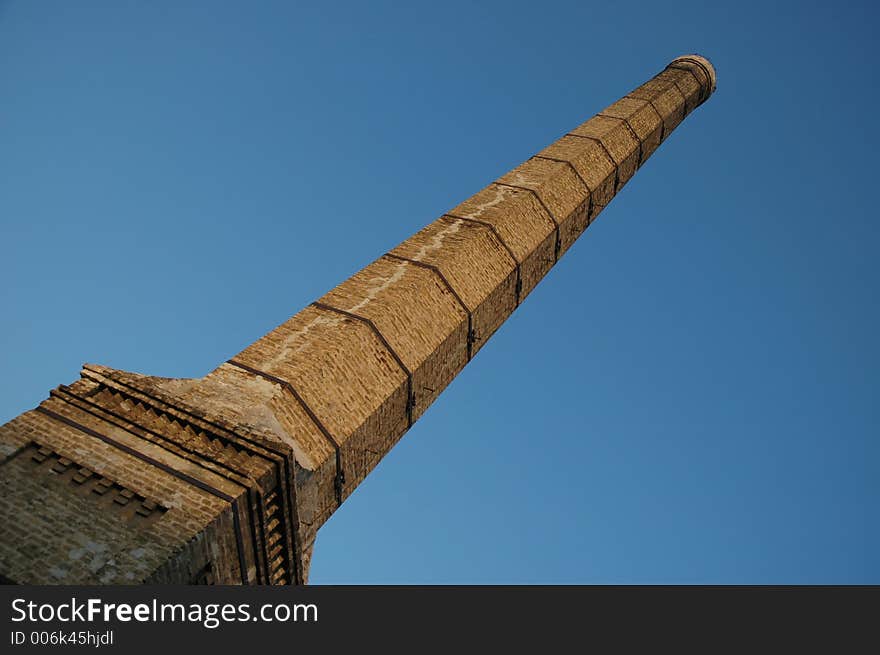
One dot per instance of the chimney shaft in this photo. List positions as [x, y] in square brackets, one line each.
[125, 478]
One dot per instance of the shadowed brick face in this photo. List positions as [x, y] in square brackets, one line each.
[122, 478]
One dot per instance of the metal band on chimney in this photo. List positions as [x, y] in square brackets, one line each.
[553, 219]
[470, 316]
[607, 154]
[517, 264]
[579, 176]
[632, 132]
[410, 394]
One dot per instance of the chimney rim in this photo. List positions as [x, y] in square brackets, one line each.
[703, 63]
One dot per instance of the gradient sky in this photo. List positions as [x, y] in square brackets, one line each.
[690, 396]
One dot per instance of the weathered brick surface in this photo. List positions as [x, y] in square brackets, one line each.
[618, 140]
[521, 223]
[58, 535]
[642, 119]
[687, 85]
[559, 189]
[471, 258]
[121, 478]
[591, 162]
[346, 376]
[419, 318]
[667, 99]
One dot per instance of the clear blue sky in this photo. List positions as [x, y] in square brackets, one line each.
[690, 396]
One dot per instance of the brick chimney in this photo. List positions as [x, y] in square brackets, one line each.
[122, 478]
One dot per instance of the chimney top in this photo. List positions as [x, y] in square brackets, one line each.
[703, 63]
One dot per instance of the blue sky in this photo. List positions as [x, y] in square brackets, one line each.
[690, 396]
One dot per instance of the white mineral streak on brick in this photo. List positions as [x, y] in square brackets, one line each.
[519, 179]
[437, 240]
[501, 194]
[382, 283]
[287, 349]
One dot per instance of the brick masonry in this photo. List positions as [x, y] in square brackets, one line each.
[121, 478]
